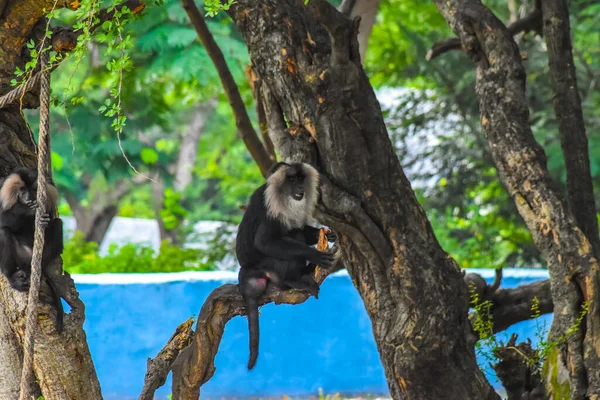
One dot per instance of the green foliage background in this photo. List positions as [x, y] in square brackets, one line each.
[166, 74]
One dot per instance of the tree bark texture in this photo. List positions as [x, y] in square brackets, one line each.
[62, 363]
[319, 99]
[521, 163]
[567, 106]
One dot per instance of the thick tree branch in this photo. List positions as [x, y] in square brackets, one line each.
[514, 305]
[160, 366]
[307, 57]
[195, 364]
[242, 120]
[567, 107]
[531, 22]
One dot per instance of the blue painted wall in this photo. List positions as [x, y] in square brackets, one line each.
[325, 343]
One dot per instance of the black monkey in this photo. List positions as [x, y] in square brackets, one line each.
[18, 203]
[274, 240]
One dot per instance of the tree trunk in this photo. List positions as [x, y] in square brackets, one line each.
[521, 163]
[62, 363]
[319, 102]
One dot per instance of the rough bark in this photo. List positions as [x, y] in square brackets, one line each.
[62, 363]
[307, 56]
[521, 163]
[567, 107]
[518, 370]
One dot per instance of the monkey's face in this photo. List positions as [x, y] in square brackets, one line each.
[20, 187]
[28, 193]
[295, 183]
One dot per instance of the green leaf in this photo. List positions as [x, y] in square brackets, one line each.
[149, 156]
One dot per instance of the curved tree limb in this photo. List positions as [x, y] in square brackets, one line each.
[160, 366]
[195, 364]
[242, 120]
[514, 305]
[531, 22]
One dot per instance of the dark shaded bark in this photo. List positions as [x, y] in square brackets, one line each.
[514, 305]
[571, 128]
[320, 99]
[255, 85]
[518, 370]
[521, 163]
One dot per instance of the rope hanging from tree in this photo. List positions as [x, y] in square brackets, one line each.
[44, 167]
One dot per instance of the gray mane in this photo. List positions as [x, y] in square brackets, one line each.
[291, 213]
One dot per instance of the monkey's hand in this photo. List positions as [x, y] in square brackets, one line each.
[331, 235]
[323, 259]
[45, 219]
[32, 204]
[20, 280]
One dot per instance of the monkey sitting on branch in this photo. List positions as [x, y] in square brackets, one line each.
[18, 192]
[274, 240]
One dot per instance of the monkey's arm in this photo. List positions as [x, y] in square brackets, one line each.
[311, 235]
[274, 244]
[8, 262]
[18, 218]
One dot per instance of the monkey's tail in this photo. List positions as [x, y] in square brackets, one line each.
[252, 307]
[57, 303]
